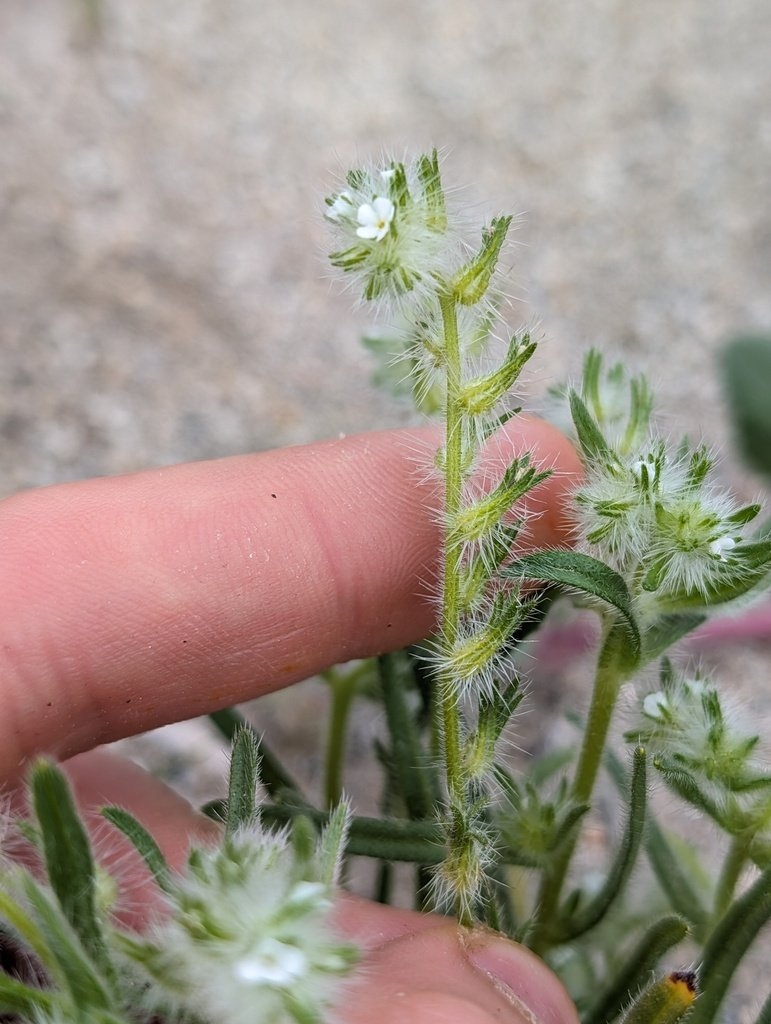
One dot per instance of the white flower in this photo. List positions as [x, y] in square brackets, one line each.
[271, 963]
[656, 706]
[721, 545]
[342, 206]
[375, 218]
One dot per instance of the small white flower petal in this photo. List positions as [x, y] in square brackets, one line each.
[655, 705]
[721, 546]
[375, 218]
[341, 207]
[272, 963]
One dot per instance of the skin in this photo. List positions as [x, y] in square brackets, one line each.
[133, 602]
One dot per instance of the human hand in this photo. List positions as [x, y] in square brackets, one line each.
[132, 602]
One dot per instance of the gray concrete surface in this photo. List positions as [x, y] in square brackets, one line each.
[163, 294]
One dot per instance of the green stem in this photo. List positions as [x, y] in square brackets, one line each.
[343, 687]
[448, 708]
[453, 455]
[608, 679]
[729, 876]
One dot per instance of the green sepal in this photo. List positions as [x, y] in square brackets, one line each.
[21, 925]
[590, 438]
[145, 845]
[474, 654]
[493, 549]
[70, 865]
[588, 575]
[471, 282]
[684, 783]
[480, 395]
[579, 922]
[662, 936]
[744, 515]
[534, 831]
[330, 848]
[640, 410]
[433, 193]
[748, 566]
[398, 189]
[475, 521]
[242, 781]
[493, 716]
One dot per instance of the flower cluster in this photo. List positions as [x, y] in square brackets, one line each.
[391, 224]
[705, 753]
[653, 514]
[248, 936]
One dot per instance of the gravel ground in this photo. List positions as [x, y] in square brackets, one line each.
[163, 294]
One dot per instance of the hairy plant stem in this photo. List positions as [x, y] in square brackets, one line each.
[449, 710]
[608, 679]
[343, 687]
[729, 876]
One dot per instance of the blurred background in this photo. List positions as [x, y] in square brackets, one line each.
[163, 290]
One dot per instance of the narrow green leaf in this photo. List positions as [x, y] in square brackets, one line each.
[728, 943]
[242, 781]
[589, 916]
[746, 366]
[413, 773]
[273, 776]
[89, 990]
[637, 968]
[21, 924]
[68, 858]
[585, 574]
[667, 630]
[674, 874]
[144, 843]
[385, 838]
[590, 439]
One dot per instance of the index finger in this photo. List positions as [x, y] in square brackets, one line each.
[131, 602]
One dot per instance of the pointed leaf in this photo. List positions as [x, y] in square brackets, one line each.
[590, 438]
[89, 990]
[145, 845]
[242, 781]
[23, 1000]
[746, 365]
[585, 574]
[68, 857]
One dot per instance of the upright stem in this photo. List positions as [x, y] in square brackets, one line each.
[729, 876]
[449, 710]
[453, 469]
[607, 682]
[343, 687]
